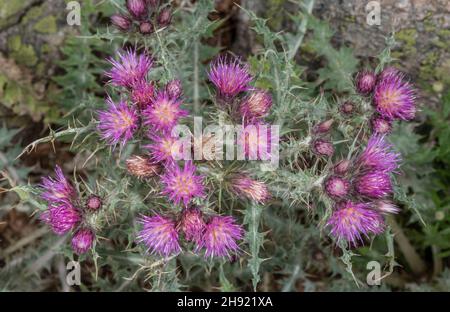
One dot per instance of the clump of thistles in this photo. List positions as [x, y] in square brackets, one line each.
[118, 123]
[229, 76]
[164, 114]
[182, 184]
[351, 221]
[129, 69]
[159, 235]
[246, 187]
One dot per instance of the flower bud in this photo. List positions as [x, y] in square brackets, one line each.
[141, 167]
[120, 21]
[342, 167]
[324, 126]
[164, 17]
[174, 88]
[381, 125]
[93, 202]
[137, 8]
[347, 108]
[385, 206]
[146, 28]
[83, 240]
[323, 147]
[192, 224]
[337, 187]
[365, 82]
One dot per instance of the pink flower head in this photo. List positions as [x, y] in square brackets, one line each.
[337, 187]
[159, 235]
[61, 217]
[118, 123]
[129, 69]
[220, 237]
[350, 220]
[381, 125]
[83, 240]
[229, 76]
[365, 82]
[57, 190]
[142, 93]
[387, 72]
[192, 224]
[374, 184]
[256, 105]
[182, 185]
[246, 187]
[394, 97]
[323, 147]
[379, 155]
[164, 148]
[164, 114]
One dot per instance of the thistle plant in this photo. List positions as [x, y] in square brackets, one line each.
[144, 192]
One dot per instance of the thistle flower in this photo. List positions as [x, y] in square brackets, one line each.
[118, 123]
[256, 105]
[142, 167]
[137, 8]
[387, 72]
[164, 149]
[385, 206]
[381, 125]
[192, 224]
[365, 82]
[337, 187]
[164, 17]
[159, 235]
[246, 187]
[255, 140]
[220, 237]
[229, 76]
[394, 97]
[323, 147]
[174, 89]
[164, 114]
[120, 21]
[375, 184]
[182, 185]
[82, 240]
[350, 220]
[146, 28]
[93, 202]
[142, 93]
[324, 126]
[341, 167]
[61, 217]
[129, 69]
[347, 108]
[378, 155]
[57, 190]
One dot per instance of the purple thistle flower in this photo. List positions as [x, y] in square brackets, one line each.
[120, 21]
[159, 235]
[220, 237]
[385, 206]
[192, 224]
[181, 185]
[129, 69]
[163, 149]
[164, 114]
[137, 8]
[118, 123]
[57, 190]
[378, 155]
[142, 93]
[61, 217]
[374, 184]
[229, 76]
[174, 89]
[83, 240]
[323, 147]
[256, 105]
[341, 167]
[93, 202]
[337, 187]
[381, 125]
[394, 97]
[246, 187]
[365, 82]
[350, 220]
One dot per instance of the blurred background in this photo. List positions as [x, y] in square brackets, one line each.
[47, 70]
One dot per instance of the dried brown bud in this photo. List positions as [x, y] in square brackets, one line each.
[142, 167]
